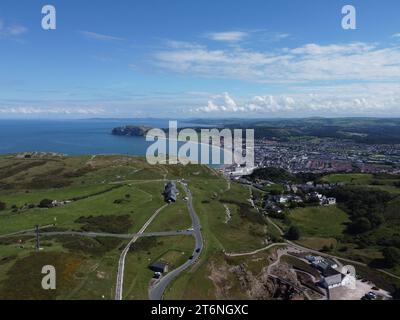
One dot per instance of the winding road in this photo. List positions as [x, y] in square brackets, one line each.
[121, 263]
[156, 292]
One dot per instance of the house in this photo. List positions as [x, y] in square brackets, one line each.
[331, 201]
[159, 267]
[281, 199]
[271, 207]
[331, 278]
[297, 199]
[170, 192]
[328, 201]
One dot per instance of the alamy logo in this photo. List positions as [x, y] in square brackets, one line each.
[49, 19]
[349, 21]
[49, 280]
[227, 146]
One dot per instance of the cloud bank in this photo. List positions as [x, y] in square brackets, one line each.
[355, 61]
[356, 100]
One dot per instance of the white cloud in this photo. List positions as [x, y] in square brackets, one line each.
[371, 99]
[99, 36]
[11, 30]
[27, 110]
[182, 45]
[396, 35]
[228, 36]
[311, 62]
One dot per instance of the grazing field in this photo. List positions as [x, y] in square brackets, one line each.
[323, 222]
[174, 217]
[353, 178]
[368, 181]
[317, 243]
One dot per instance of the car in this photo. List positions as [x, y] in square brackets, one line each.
[372, 295]
[198, 250]
[191, 257]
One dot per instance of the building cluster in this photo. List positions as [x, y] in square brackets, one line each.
[327, 155]
[275, 203]
[311, 186]
[331, 277]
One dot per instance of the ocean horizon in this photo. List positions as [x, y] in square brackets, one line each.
[76, 137]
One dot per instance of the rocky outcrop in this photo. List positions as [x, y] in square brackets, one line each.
[132, 131]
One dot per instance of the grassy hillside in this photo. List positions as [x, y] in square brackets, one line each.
[114, 194]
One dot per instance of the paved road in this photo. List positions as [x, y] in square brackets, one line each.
[156, 292]
[24, 232]
[103, 235]
[255, 251]
[121, 263]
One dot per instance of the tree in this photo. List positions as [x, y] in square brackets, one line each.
[293, 233]
[392, 256]
[2, 206]
[396, 294]
[360, 225]
[325, 248]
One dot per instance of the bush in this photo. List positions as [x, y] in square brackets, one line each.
[2, 206]
[360, 225]
[109, 224]
[121, 201]
[46, 203]
[391, 256]
[293, 233]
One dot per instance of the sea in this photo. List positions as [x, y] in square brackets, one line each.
[76, 137]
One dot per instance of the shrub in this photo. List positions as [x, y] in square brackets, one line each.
[392, 256]
[293, 233]
[46, 203]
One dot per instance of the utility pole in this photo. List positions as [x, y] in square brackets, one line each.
[37, 238]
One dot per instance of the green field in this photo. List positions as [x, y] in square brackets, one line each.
[328, 222]
[364, 180]
[354, 178]
[116, 194]
[172, 250]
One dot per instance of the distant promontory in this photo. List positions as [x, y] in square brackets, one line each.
[131, 131]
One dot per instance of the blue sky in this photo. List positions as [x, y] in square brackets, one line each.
[254, 58]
